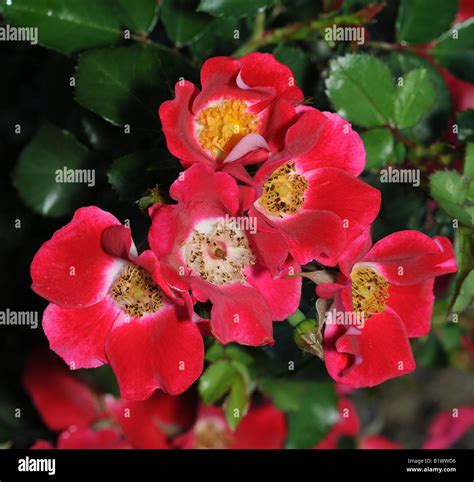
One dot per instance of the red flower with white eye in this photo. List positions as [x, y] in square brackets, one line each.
[152, 423]
[205, 247]
[241, 113]
[383, 297]
[308, 193]
[69, 406]
[264, 427]
[107, 306]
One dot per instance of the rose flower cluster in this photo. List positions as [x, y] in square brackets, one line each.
[269, 185]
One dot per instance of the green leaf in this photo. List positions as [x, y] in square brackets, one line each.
[378, 147]
[128, 175]
[449, 189]
[455, 50]
[215, 352]
[413, 99]
[466, 294]
[126, 85]
[469, 161]
[67, 27]
[216, 381]
[465, 122]
[182, 24]
[420, 21]
[311, 407]
[294, 58]
[234, 8]
[435, 121]
[399, 152]
[218, 39]
[448, 186]
[139, 15]
[361, 89]
[50, 151]
[237, 403]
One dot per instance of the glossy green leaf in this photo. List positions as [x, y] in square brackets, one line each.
[466, 294]
[311, 408]
[413, 98]
[67, 26]
[449, 186]
[435, 121]
[465, 122]
[126, 85]
[295, 59]
[361, 89]
[378, 147]
[130, 175]
[182, 24]
[420, 21]
[138, 15]
[38, 178]
[234, 8]
[216, 381]
[469, 162]
[237, 403]
[449, 189]
[455, 50]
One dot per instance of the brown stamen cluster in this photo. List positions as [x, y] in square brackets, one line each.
[283, 192]
[221, 256]
[369, 291]
[136, 292]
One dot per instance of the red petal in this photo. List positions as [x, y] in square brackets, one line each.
[78, 335]
[410, 257]
[369, 356]
[414, 305]
[42, 445]
[177, 120]
[281, 294]
[322, 139]
[159, 350]
[377, 442]
[200, 184]
[86, 438]
[239, 313]
[72, 269]
[148, 424]
[264, 427]
[263, 70]
[61, 399]
[354, 201]
[314, 235]
[446, 429]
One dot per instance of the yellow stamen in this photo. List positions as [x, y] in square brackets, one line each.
[224, 125]
[369, 291]
[283, 192]
[136, 292]
[210, 435]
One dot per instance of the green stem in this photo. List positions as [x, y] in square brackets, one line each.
[297, 31]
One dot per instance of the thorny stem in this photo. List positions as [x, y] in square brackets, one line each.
[300, 30]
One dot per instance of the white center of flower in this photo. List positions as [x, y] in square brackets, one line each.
[218, 252]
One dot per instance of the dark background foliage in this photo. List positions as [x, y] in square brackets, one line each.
[88, 98]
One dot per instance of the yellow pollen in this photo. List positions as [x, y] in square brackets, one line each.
[219, 256]
[283, 192]
[224, 125]
[369, 291]
[210, 435]
[136, 292]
